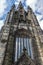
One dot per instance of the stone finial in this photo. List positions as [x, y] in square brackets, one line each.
[20, 5]
[29, 8]
[13, 6]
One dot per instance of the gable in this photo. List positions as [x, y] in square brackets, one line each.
[25, 60]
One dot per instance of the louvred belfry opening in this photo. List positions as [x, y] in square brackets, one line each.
[23, 40]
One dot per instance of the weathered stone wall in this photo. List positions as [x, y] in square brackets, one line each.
[2, 50]
[20, 20]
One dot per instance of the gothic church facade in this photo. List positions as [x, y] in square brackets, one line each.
[21, 38]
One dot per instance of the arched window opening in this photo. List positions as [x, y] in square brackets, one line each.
[21, 42]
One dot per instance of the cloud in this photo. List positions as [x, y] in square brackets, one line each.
[29, 2]
[41, 24]
[3, 5]
[39, 13]
[36, 5]
[40, 6]
[1, 23]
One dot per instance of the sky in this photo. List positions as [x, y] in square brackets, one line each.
[36, 5]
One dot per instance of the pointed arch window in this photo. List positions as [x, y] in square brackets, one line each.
[21, 42]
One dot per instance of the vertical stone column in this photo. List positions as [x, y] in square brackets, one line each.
[2, 50]
[9, 48]
[39, 58]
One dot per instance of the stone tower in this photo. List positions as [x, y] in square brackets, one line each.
[21, 38]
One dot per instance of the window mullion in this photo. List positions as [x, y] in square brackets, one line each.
[22, 44]
[27, 47]
[31, 49]
[19, 47]
[26, 42]
[16, 51]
